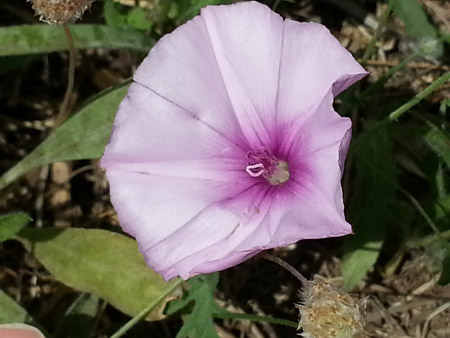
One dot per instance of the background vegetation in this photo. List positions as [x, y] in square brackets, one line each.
[65, 266]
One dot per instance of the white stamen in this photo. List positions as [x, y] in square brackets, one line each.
[251, 167]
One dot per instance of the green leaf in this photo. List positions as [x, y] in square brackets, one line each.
[10, 224]
[198, 323]
[438, 259]
[418, 26]
[369, 210]
[104, 263]
[414, 18]
[439, 141]
[445, 275]
[11, 312]
[113, 14]
[43, 38]
[79, 318]
[445, 37]
[84, 136]
[442, 208]
[138, 19]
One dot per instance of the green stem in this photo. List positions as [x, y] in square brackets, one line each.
[419, 97]
[422, 211]
[392, 117]
[373, 41]
[386, 76]
[141, 315]
[377, 85]
[402, 109]
[255, 318]
[275, 5]
[411, 198]
[428, 240]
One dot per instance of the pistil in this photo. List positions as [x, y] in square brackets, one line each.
[264, 164]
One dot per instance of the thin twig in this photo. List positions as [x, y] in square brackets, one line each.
[386, 76]
[286, 266]
[254, 318]
[373, 41]
[141, 315]
[419, 65]
[64, 111]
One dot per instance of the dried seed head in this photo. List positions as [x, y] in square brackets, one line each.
[327, 311]
[60, 11]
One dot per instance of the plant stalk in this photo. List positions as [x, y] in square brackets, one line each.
[63, 110]
[141, 315]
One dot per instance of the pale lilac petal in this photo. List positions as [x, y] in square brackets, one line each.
[149, 128]
[251, 207]
[172, 218]
[322, 144]
[182, 68]
[312, 216]
[284, 219]
[303, 213]
[312, 62]
[212, 169]
[324, 155]
[247, 41]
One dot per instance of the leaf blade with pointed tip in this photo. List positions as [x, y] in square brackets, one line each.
[200, 322]
[84, 136]
[10, 224]
[417, 25]
[439, 141]
[12, 312]
[369, 210]
[100, 262]
[79, 318]
[42, 38]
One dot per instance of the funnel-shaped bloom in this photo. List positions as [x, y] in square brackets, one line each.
[227, 143]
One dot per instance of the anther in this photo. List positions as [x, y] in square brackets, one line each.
[280, 174]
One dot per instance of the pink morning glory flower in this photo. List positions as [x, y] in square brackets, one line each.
[227, 143]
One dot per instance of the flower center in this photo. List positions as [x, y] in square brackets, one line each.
[263, 163]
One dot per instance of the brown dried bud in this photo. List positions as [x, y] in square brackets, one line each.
[327, 311]
[60, 11]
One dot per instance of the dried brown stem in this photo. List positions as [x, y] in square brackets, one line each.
[64, 111]
[286, 266]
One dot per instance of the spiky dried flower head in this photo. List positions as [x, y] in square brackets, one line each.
[60, 11]
[329, 312]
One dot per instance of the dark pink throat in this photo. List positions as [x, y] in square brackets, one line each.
[264, 164]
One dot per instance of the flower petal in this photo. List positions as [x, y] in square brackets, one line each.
[312, 62]
[316, 149]
[324, 146]
[310, 215]
[247, 40]
[174, 218]
[282, 219]
[251, 208]
[182, 68]
[149, 128]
